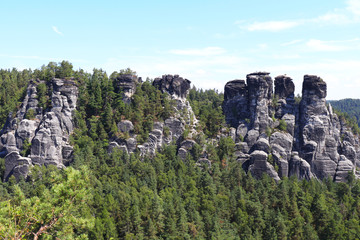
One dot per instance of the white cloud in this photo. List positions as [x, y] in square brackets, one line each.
[336, 17]
[262, 46]
[347, 15]
[333, 46]
[286, 56]
[319, 45]
[354, 7]
[209, 51]
[291, 42]
[55, 29]
[272, 26]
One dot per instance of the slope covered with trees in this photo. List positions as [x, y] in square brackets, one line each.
[348, 109]
[103, 195]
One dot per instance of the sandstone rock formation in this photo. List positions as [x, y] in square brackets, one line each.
[48, 133]
[126, 83]
[170, 129]
[306, 140]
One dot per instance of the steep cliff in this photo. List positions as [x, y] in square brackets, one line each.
[283, 138]
[37, 136]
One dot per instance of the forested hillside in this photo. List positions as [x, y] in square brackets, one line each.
[104, 194]
[349, 109]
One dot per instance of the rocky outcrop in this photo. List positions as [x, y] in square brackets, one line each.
[319, 134]
[126, 84]
[235, 106]
[259, 165]
[306, 140]
[171, 129]
[46, 135]
[174, 85]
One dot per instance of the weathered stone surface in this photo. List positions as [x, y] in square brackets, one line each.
[312, 128]
[344, 167]
[174, 85]
[48, 133]
[204, 163]
[187, 144]
[126, 83]
[284, 87]
[16, 165]
[242, 147]
[262, 144]
[182, 152]
[290, 123]
[259, 165]
[235, 106]
[319, 129]
[251, 137]
[285, 141]
[175, 126]
[282, 164]
[26, 130]
[348, 150]
[260, 92]
[131, 144]
[242, 130]
[125, 126]
[314, 85]
[299, 167]
[242, 159]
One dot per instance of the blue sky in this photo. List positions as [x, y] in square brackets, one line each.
[209, 42]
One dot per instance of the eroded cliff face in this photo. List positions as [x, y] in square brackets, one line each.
[282, 138]
[273, 133]
[167, 131]
[47, 132]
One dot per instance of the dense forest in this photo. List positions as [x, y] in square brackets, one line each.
[103, 195]
[348, 109]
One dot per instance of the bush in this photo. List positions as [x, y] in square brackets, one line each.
[30, 114]
[282, 125]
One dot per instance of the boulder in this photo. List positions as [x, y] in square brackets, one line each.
[125, 126]
[182, 152]
[16, 165]
[262, 144]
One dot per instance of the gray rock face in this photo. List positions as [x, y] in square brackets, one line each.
[235, 106]
[16, 165]
[260, 92]
[299, 167]
[259, 165]
[127, 84]
[48, 133]
[313, 142]
[174, 85]
[284, 87]
[320, 138]
[125, 126]
[262, 144]
[284, 93]
[344, 167]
